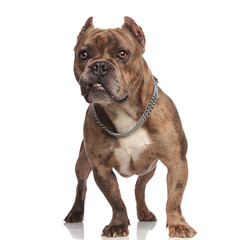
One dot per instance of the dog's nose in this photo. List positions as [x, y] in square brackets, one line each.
[100, 68]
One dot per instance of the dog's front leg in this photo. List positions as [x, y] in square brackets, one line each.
[176, 181]
[82, 169]
[107, 182]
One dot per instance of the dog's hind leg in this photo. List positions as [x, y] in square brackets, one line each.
[142, 210]
[82, 169]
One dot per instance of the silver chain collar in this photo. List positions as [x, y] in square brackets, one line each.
[141, 121]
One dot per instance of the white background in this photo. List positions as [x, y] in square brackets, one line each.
[193, 48]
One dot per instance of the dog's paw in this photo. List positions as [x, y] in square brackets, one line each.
[181, 231]
[74, 216]
[115, 231]
[146, 216]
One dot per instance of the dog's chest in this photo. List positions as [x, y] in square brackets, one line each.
[131, 146]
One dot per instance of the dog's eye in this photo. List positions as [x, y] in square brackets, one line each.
[122, 55]
[83, 55]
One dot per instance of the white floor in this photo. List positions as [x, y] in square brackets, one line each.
[139, 231]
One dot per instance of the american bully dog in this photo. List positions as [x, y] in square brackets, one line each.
[130, 124]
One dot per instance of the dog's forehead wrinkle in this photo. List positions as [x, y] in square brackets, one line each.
[101, 38]
[111, 38]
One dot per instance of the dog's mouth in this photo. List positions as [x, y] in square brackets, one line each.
[96, 85]
[98, 89]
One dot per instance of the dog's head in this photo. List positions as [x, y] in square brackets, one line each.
[108, 62]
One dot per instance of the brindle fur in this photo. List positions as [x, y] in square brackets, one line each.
[98, 151]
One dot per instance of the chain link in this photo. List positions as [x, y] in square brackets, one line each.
[142, 120]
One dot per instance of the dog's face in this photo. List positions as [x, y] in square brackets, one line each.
[108, 63]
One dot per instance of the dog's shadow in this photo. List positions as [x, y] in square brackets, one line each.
[77, 230]
[143, 228]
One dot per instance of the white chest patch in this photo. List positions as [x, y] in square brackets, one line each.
[131, 146]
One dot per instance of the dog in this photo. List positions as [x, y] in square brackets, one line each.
[130, 124]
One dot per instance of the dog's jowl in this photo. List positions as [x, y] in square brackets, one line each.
[130, 124]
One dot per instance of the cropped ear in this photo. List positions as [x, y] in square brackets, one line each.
[87, 26]
[137, 32]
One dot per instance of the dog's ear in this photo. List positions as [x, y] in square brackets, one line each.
[130, 24]
[87, 26]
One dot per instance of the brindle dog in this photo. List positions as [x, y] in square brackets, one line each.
[114, 76]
